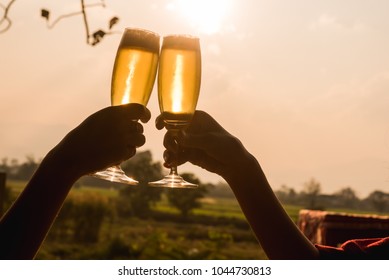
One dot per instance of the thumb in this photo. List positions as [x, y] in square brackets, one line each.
[137, 112]
[204, 141]
[219, 145]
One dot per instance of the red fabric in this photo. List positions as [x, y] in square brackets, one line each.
[373, 248]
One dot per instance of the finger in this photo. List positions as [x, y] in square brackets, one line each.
[159, 123]
[201, 159]
[199, 141]
[130, 152]
[137, 111]
[136, 140]
[203, 122]
[196, 157]
[172, 159]
[136, 127]
[146, 116]
[170, 142]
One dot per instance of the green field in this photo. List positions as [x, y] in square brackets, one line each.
[217, 230]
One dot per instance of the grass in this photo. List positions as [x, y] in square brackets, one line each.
[215, 207]
[87, 190]
[166, 238]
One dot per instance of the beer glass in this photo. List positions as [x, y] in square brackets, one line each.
[179, 78]
[133, 78]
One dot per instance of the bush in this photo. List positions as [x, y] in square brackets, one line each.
[81, 218]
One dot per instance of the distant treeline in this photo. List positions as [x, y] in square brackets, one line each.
[145, 170]
[311, 197]
[131, 201]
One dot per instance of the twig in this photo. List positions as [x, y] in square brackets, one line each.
[91, 39]
[61, 17]
[5, 17]
[85, 21]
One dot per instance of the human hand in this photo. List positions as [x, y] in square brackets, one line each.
[204, 143]
[105, 138]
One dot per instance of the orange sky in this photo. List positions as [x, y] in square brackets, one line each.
[304, 84]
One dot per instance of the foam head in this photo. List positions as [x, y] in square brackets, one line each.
[141, 38]
[185, 42]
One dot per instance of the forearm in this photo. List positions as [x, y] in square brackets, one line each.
[276, 232]
[24, 227]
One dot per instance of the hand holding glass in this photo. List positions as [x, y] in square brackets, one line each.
[133, 79]
[179, 79]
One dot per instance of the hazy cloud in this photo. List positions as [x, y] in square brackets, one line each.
[326, 21]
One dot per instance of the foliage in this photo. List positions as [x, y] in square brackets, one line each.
[347, 196]
[379, 200]
[287, 194]
[81, 219]
[186, 200]
[312, 189]
[161, 236]
[121, 222]
[19, 171]
[221, 190]
[138, 200]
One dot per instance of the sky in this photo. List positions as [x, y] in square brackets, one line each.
[303, 84]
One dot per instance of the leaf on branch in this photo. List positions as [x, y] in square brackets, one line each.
[97, 36]
[113, 21]
[45, 13]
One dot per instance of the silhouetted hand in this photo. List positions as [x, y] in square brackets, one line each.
[204, 143]
[105, 138]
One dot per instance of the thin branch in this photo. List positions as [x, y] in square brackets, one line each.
[83, 11]
[91, 39]
[5, 17]
[61, 17]
[85, 21]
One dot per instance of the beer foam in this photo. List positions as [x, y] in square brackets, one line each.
[136, 37]
[186, 42]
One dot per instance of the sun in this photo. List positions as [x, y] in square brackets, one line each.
[205, 15]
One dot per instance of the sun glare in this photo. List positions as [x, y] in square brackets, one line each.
[205, 15]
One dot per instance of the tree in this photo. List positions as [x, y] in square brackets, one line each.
[137, 200]
[10, 167]
[378, 200]
[286, 194]
[27, 169]
[187, 200]
[311, 191]
[347, 197]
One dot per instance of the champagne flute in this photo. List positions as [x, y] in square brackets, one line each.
[179, 78]
[133, 78]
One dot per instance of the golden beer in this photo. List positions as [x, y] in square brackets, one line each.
[179, 79]
[135, 68]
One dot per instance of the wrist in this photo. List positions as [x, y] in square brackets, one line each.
[61, 165]
[245, 169]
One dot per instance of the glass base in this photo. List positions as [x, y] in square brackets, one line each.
[173, 181]
[115, 174]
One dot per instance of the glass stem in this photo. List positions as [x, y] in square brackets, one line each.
[173, 171]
